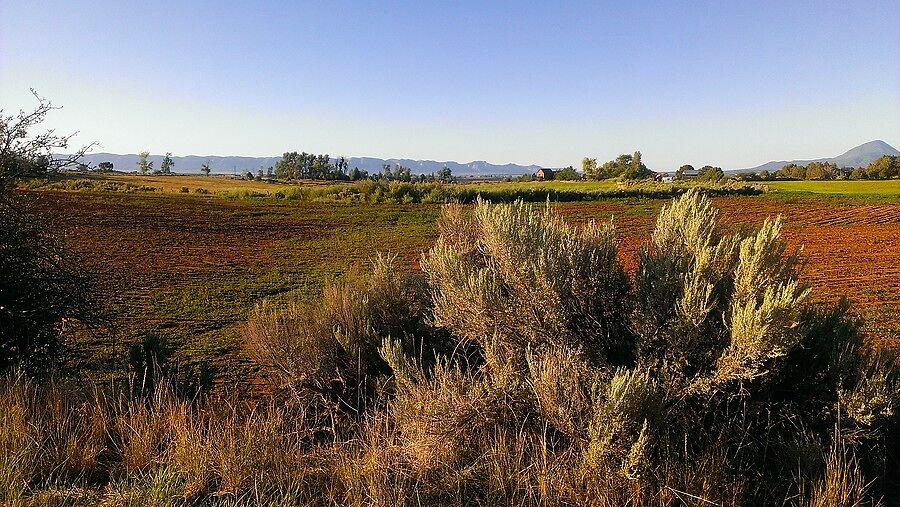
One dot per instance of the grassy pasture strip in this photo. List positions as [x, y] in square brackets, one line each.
[864, 189]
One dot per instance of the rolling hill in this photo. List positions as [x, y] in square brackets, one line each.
[859, 156]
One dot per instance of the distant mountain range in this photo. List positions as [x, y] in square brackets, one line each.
[228, 165]
[860, 156]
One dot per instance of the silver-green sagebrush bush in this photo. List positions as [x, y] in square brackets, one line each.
[706, 375]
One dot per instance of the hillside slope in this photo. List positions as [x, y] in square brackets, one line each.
[859, 156]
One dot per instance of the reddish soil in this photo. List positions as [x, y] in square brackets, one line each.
[147, 245]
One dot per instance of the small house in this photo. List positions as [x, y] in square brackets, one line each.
[544, 174]
[664, 177]
[690, 175]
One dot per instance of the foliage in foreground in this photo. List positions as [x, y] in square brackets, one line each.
[43, 290]
[523, 367]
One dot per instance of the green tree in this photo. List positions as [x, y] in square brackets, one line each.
[635, 169]
[566, 174]
[820, 171]
[167, 163]
[626, 166]
[589, 168]
[883, 168]
[792, 172]
[445, 175]
[105, 167]
[398, 173]
[144, 165]
[205, 169]
[341, 166]
[288, 167]
[710, 173]
[679, 174]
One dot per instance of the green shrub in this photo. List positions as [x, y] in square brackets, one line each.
[329, 353]
[708, 376]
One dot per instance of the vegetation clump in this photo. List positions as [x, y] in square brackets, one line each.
[885, 167]
[398, 192]
[44, 292]
[625, 166]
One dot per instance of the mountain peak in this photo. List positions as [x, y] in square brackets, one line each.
[859, 156]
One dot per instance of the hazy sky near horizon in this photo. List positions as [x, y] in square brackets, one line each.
[733, 84]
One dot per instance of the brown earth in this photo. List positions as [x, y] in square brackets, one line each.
[192, 266]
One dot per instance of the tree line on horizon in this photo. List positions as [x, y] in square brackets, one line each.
[296, 166]
[882, 168]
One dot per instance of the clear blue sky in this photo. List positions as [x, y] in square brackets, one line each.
[727, 83]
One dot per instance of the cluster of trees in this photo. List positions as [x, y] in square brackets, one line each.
[102, 167]
[397, 173]
[145, 165]
[812, 171]
[404, 174]
[304, 165]
[625, 166]
[883, 168]
[566, 174]
[706, 173]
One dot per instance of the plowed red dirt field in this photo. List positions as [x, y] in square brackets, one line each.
[189, 268]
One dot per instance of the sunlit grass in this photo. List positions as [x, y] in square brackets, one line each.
[853, 188]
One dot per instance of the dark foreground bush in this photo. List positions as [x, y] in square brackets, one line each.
[44, 291]
[525, 368]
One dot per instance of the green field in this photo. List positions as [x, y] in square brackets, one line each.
[888, 189]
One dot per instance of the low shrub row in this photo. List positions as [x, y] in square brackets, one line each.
[435, 192]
